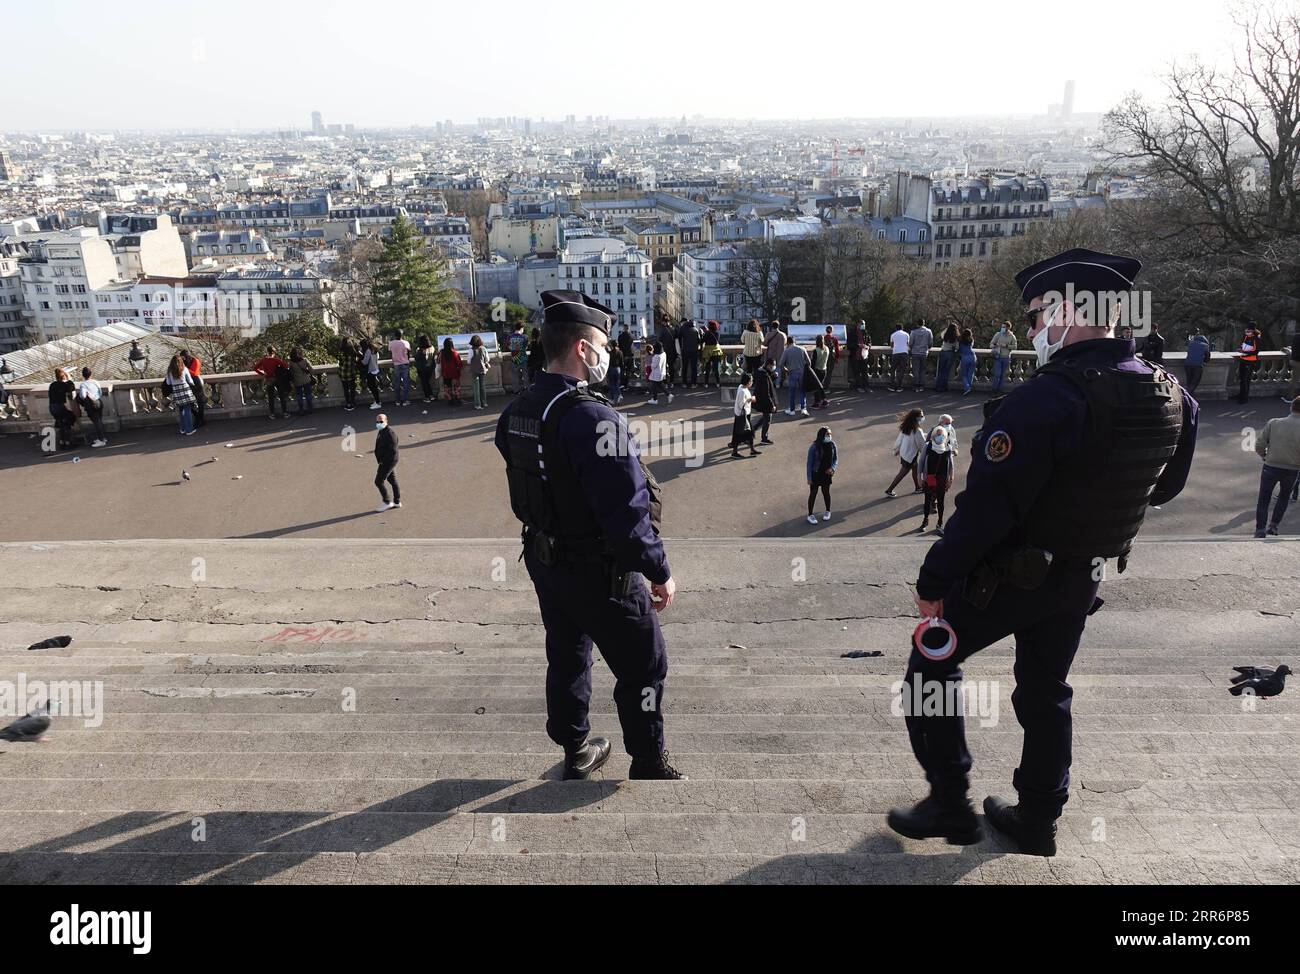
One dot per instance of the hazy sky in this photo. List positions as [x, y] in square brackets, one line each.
[269, 63]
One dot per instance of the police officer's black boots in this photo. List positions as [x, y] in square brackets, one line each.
[656, 769]
[1034, 835]
[938, 816]
[583, 760]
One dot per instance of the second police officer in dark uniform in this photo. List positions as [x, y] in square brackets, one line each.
[590, 513]
[1060, 478]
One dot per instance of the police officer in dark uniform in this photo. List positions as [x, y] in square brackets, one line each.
[1061, 475]
[590, 513]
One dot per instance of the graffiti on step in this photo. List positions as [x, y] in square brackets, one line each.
[313, 634]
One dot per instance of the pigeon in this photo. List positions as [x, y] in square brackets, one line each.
[28, 728]
[1259, 680]
[185, 475]
[54, 642]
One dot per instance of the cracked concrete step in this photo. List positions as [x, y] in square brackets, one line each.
[1112, 687]
[342, 868]
[660, 833]
[448, 790]
[827, 601]
[1211, 669]
[704, 756]
[395, 726]
[1153, 631]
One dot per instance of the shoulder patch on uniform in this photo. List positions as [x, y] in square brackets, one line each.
[998, 446]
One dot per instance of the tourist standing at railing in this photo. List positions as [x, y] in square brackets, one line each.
[764, 389]
[90, 396]
[966, 355]
[1153, 349]
[5, 370]
[275, 377]
[666, 336]
[450, 363]
[712, 355]
[1247, 363]
[742, 430]
[1002, 344]
[1198, 353]
[348, 373]
[302, 374]
[62, 392]
[426, 367]
[833, 344]
[898, 345]
[918, 346]
[615, 378]
[776, 348]
[479, 363]
[658, 370]
[794, 366]
[1294, 388]
[947, 357]
[1278, 445]
[855, 349]
[819, 467]
[399, 350]
[517, 349]
[907, 447]
[752, 340]
[370, 369]
[688, 340]
[821, 367]
[200, 400]
[536, 356]
[180, 389]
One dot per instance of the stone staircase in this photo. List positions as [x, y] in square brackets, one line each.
[228, 753]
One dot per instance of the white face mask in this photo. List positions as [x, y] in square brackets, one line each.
[380, 426]
[596, 373]
[1044, 348]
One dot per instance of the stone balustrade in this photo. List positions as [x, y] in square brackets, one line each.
[139, 402]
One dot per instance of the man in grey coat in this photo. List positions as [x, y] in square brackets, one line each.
[918, 346]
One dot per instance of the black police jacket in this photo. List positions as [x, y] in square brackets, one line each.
[1069, 470]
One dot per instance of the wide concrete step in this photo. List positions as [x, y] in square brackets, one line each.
[342, 868]
[224, 701]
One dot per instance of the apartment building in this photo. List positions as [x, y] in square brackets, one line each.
[972, 216]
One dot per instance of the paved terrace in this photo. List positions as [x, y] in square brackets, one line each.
[299, 481]
[225, 683]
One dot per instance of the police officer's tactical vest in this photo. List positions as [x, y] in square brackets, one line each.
[1094, 504]
[544, 490]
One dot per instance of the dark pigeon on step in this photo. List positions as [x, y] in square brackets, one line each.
[30, 727]
[54, 642]
[1259, 680]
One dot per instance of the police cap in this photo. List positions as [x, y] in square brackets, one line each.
[1085, 270]
[575, 307]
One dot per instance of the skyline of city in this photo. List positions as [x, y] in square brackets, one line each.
[266, 67]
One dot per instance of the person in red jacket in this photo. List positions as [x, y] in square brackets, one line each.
[451, 368]
[268, 367]
[194, 366]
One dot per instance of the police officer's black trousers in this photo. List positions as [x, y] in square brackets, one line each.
[1047, 624]
[577, 609]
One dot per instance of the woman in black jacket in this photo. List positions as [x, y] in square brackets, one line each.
[62, 390]
[765, 398]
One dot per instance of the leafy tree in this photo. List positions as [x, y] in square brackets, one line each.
[882, 313]
[317, 341]
[409, 289]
